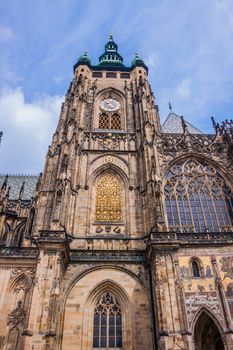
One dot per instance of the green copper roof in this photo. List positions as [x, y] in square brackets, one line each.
[84, 58]
[111, 57]
[111, 60]
[138, 61]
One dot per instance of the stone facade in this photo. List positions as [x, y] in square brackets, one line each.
[126, 223]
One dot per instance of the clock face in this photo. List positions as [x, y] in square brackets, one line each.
[110, 105]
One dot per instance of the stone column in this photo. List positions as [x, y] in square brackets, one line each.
[40, 332]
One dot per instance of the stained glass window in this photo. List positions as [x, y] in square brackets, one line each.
[108, 199]
[197, 199]
[107, 328]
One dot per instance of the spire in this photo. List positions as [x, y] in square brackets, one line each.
[111, 57]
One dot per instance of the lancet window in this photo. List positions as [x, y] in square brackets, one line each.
[108, 199]
[107, 328]
[197, 199]
[110, 121]
[195, 269]
[104, 121]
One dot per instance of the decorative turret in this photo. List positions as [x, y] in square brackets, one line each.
[111, 57]
[83, 59]
[138, 62]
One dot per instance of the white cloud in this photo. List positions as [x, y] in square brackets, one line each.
[6, 34]
[27, 129]
[151, 61]
[183, 89]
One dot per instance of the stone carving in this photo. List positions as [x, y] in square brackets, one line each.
[99, 229]
[194, 301]
[110, 140]
[150, 133]
[18, 271]
[175, 345]
[180, 238]
[19, 252]
[17, 316]
[22, 285]
[117, 229]
[101, 255]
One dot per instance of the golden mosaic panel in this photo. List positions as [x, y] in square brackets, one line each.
[205, 283]
[108, 199]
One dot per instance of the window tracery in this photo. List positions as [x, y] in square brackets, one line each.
[115, 122]
[108, 199]
[107, 330]
[110, 121]
[104, 121]
[197, 198]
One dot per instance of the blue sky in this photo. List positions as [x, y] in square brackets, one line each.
[188, 46]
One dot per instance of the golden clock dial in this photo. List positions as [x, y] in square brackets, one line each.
[109, 105]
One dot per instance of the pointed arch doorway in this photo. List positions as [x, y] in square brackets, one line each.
[207, 335]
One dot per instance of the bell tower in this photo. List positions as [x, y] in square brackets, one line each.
[127, 240]
[102, 160]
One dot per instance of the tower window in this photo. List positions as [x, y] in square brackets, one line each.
[110, 121]
[97, 74]
[107, 323]
[108, 199]
[125, 76]
[197, 199]
[110, 75]
[104, 121]
[195, 269]
[115, 122]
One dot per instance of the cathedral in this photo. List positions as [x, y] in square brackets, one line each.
[125, 241]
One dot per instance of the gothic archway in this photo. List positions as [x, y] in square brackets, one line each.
[207, 335]
[86, 293]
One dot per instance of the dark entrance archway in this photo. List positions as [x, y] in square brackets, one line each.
[206, 334]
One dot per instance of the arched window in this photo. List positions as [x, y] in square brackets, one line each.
[107, 330]
[108, 199]
[197, 199]
[110, 121]
[195, 269]
[104, 121]
[116, 122]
